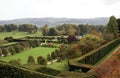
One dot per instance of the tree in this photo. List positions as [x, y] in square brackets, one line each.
[31, 60]
[118, 21]
[54, 55]
[83, 29]
[10, 27]
[52, 32]
[5, 51]
[11, 50]
[2, 28]
[41, 60]
[112, 26]
[49, 57]
[0, 52]
[10, 39]
[45, 30]
[71, 38]
[28, 28]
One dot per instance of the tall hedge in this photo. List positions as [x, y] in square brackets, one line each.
[96, 55]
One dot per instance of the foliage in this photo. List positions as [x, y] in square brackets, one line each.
[5, 51]
[45, 30]
[71, 38]
[11, 50]
[41, 60]
[18, 72]
[2, 28]
[0, 52]
[10, 27]
[10, 39]
[94, 56]
[52, 32]
[49, 57]
[31, 60]
[112, 26]
[49, 71]
[28, 28]
[15, 62]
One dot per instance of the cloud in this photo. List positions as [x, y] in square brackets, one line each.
[111, 2]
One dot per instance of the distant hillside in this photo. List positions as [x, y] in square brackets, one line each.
[56, 21]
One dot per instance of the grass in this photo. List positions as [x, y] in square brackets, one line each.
[61, 66]
[35, 52]
[16, 34]
[10, 43]
[105, 57]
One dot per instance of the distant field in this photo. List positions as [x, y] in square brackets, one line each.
[35, 52]
[18, 34]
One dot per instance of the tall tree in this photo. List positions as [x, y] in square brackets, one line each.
[112, 26]
[45, 30]
[118, 21]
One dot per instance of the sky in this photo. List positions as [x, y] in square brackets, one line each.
[15, 9]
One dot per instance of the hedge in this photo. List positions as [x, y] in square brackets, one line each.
[49, 71]
[94, 56]
[10, 71]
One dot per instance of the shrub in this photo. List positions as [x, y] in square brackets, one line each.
[49, 57]
[31, 60]
[11, 50]
[54, 55]
[41, 60]
[5, 51]
[0, 52]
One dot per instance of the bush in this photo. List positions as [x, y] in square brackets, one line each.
[0, 52]
[11, 50]
[54, 55]
[5, 51]
[41, 60]
[15, 62]
[49, 57]
[31, 60]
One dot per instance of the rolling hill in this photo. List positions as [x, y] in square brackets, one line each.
[56, 21]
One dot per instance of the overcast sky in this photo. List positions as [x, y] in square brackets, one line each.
[14, 9]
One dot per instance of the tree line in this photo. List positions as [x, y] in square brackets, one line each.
[22, 27]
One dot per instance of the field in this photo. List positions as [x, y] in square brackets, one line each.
[16, 34]
[35, 52]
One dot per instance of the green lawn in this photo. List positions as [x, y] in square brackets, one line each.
[62, 66]
[35, 52]
[16, 34]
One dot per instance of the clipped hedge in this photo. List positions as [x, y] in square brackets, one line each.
[10, 71]
[49, 71]
[93, 57]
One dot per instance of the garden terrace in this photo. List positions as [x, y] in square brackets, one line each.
[88, 61]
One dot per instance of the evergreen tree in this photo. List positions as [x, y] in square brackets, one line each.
[112, 26]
